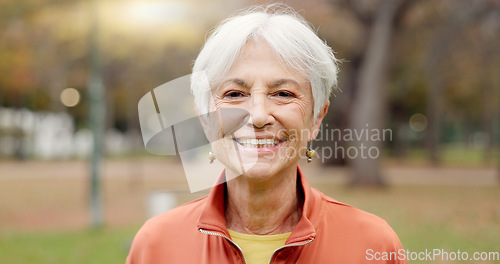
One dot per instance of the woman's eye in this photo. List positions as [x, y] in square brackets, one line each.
[233, 94]
[285, 94]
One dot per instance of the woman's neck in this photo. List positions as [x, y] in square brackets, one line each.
[264, 207]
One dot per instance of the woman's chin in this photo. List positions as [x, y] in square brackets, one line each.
[258, 166]
[262, 171]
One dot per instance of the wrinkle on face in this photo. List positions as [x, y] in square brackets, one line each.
[278, 99]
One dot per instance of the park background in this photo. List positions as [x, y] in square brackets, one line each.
[72, 73]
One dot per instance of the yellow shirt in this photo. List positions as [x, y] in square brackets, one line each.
[258, 249]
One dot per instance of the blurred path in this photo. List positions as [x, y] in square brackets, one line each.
[54, 195]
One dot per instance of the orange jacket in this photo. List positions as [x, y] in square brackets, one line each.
[328, 232]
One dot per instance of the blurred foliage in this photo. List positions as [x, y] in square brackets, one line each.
[44, 49]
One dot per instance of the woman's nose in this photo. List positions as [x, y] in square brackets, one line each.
[260, 111]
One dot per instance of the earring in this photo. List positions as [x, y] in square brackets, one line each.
[211, 157]
[310, 152]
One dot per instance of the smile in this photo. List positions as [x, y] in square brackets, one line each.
[258, 142]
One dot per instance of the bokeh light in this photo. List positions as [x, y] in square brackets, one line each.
[70, 97]
[418, 122]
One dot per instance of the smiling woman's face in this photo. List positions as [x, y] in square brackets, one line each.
[280, 104]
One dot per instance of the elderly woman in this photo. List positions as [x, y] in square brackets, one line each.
[269, 62]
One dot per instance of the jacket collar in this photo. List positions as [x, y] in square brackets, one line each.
[213, 216]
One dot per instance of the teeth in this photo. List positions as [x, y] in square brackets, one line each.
[257, 143]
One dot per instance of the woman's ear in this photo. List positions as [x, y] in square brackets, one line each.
[318, 120]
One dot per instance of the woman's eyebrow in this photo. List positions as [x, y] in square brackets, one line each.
[237, 81]
[273, 84]
[283, 81]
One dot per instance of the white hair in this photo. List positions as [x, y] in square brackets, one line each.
[286, 32]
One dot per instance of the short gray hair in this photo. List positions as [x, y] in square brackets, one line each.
[288, 34]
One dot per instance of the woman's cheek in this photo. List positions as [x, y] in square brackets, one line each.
[217, 105]
[305, 111]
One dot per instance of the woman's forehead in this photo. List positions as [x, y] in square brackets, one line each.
[257, 58]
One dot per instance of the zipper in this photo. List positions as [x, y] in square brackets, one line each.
[228, 239]
[241, 251]
[285, 246]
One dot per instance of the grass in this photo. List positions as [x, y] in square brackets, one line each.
[428, 217]
[425, 217]
[43, 209]
[106, 245]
